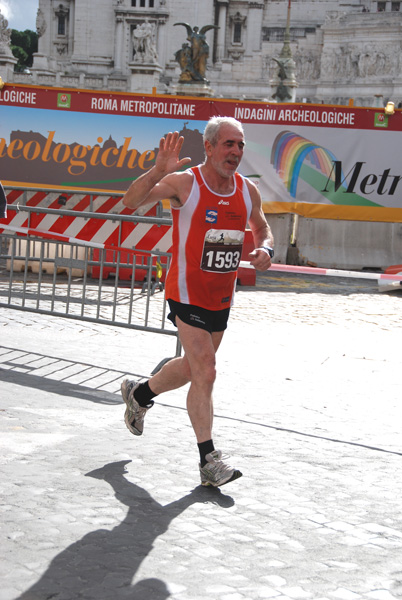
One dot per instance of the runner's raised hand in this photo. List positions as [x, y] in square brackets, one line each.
[167, 160]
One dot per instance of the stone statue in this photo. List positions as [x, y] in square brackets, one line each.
[192, 57]
[282, 93]
[5, 36]
[286, 76]
[286, 68]
[282, 70]
[185, 59]
[144, 43]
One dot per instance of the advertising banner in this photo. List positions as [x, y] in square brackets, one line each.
[318, 161]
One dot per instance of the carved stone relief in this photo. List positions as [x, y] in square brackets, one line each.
[307, 66]
[349, 62]
[61, 48]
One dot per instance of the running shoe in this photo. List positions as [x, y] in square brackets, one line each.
[135, 414]
[215, 472]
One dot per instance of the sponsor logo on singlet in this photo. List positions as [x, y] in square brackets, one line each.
[211, 215]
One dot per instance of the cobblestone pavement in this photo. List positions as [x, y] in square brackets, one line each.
[307, 403]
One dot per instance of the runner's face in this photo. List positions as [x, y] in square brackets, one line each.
[227, 153]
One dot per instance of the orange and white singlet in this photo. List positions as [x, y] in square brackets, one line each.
[208, 234]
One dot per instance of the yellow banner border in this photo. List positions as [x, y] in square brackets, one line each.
[337, 213]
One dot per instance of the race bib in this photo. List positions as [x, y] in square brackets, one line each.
[222, 250]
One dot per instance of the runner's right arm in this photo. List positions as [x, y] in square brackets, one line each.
[154, 185]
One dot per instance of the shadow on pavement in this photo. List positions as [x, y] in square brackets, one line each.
[103, 563]
[63, 388]
[60, 376]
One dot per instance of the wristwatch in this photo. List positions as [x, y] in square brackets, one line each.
[269, 250]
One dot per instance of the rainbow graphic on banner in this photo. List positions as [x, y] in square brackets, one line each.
[291, 150]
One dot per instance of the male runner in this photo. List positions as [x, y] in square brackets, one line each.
[211, 206]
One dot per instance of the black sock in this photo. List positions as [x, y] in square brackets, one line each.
[205, 448]
[143, 394]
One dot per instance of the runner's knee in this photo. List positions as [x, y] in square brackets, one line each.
[205, 373]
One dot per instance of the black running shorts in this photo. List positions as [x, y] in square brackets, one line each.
[210, 320]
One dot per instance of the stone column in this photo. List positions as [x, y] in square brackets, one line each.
[220, 47]
[41, 57]
[254, 27]
[161, 36]
[71, 18]
[118, 42]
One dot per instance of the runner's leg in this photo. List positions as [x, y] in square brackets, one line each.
[200, 348]
[174, 374]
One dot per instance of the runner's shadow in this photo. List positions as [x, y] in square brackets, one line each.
[103, 563]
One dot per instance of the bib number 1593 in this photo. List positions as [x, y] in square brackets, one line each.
[221, 260]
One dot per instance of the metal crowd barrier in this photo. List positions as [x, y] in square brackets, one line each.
[85, 280]
[88, 201]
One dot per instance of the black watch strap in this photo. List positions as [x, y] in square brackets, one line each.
[269, 250]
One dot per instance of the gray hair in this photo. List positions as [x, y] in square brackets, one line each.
[214, 124]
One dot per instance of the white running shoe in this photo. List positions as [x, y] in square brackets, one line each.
[135, 414]
[215, 472]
